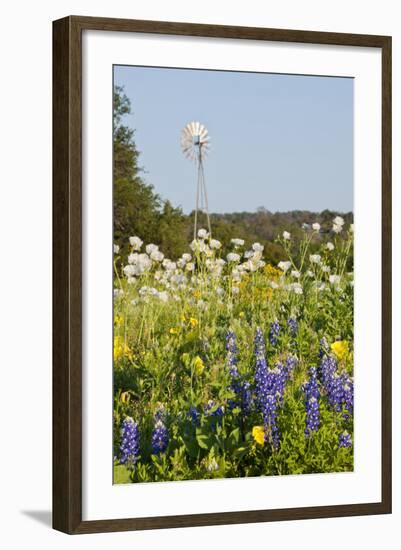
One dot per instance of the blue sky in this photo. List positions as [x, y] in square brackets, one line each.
[282, 142]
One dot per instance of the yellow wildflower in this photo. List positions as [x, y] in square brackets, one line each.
[272, 272]
[259, 434]
[118, 320]
[340, 349]
[124, 397]
[198, 365]
[241, 315]
[174, 330]
[193, 322]
[120, 349]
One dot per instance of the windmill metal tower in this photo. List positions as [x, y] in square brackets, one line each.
[195, 146]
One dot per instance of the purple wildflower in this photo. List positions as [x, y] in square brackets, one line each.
[239, 386]
[292, 326]
[211, 409]
[339, 388]
[274, 332]
[160, 438]
[290, 363]
[312, 395]
[129, 446]
[345, 440]
[269, 390]
[194, 415]
[232, 352]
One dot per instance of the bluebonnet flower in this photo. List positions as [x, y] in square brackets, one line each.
[292, 326]
[269, 390]
[239, 386]
[160, 413]
[348, 395]
[274, 332]
[278, 382]
[232, 351]
[339, 388]
[160, 438]
[211, 409]
[345, 440]
[129, 446]
[290, 363]
[312, 395]
[194, 415]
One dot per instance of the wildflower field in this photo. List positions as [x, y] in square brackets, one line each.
[228, 366]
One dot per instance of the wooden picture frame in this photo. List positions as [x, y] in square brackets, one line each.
[67, 273]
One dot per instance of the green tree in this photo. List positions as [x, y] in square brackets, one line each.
[135, 204]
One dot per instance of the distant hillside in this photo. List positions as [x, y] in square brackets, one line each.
[264, 227]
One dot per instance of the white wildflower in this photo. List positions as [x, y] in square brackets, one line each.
[198, 246]
[143, 263]
[116, 249]
[186, 257]
[238, 242]
[295, 274]
[156, 256]
[203, 234]
[337, 228]
[286, 235]
[351, 227]
[334, 279]
[257, 247]
[316, 227]
[315, 259]
[169, 265]
[296, 288]
[163, 296]
[151, 248]
[212, 465]
[220, 291]
[129, 270]
[326, 268]
[233, 257]
[330, 246]
[190, 266]
[118, 292]
[135, 242]
[133, 258]
[284, 266]
[338, 220]
[215, 244]
[310, 274]
[235, 290]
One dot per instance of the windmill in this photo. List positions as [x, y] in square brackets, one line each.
[195, 146]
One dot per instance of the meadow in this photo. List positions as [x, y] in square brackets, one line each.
[228, 366]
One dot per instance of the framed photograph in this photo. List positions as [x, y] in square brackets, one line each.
[222, 274]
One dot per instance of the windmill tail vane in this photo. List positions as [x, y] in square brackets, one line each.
[195, 144]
